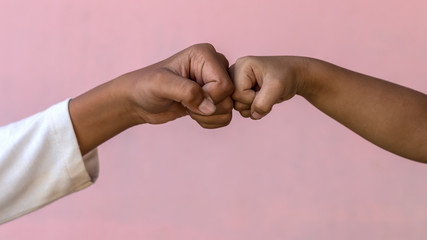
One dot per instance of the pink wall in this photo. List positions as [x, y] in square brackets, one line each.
[294, 175]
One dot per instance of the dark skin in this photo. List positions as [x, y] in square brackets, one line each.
[193, 82]
[389, 115]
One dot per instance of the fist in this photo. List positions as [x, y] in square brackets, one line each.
[192, 82]
[261, 82]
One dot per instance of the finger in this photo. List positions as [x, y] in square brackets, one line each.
[241, 106]
[242, 76]
[213, 121]
[223, 60]
[221, 117]
[213, 126]
[218, 90]
[246, 113]
[244, 80]
[224, 107]
[246, 97]
[268, 95]
[184, 91]
[211, 68]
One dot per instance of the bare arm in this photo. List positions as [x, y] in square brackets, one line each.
[391, 116]
[192, 82]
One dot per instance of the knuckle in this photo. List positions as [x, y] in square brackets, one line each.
[227, 119]
[222, 120]
[240, 106]
[243, 97]
[224, 59]
[245, 113]
[241, 60]
[207, 46]
[215, 121]
[228, 103]
[262, 108]
[245, 60]
[231, 71]
[236, 96]
[226, 87]
[225, 106]
[203, 47]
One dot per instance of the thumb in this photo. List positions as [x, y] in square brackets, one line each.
[265, 98]
[188, 93]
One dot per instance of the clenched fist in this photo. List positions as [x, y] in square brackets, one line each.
[261, 82]
[194, 81]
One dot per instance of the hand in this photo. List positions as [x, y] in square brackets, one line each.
[261, 82]
[194, 81]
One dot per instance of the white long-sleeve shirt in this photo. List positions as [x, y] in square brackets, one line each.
[40, 162]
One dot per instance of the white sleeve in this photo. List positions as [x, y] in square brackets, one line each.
[40, 162]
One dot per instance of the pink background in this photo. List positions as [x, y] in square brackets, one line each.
[296, 174]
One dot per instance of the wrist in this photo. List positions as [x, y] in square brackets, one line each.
[123, 88]
[307, 76]
[100, 114]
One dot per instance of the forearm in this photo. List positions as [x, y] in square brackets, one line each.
[102, 113]
[390, 116]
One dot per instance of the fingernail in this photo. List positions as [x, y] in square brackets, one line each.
[207, 106]
[256, 115]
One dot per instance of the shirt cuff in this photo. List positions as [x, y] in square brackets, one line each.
[41, 162]
[82, 170]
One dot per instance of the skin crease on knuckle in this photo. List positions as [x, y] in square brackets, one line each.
[242, 97]
[228, 86]
[224, 60]
[245, 113]
[201, 49]
[246, 61]
[241, 106]
[241, 60]
[224, 88]
[228, 104]
[261, 108]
